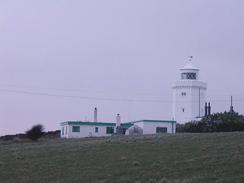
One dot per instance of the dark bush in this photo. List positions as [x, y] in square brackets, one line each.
[219, 122]
[51, 134]
[35, 132]
[12, 137]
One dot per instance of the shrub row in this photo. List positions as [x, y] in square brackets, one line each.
[219, 122]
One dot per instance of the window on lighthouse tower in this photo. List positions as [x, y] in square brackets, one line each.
[183, 93]
[189, 75]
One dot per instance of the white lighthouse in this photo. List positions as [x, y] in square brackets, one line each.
[189, 95]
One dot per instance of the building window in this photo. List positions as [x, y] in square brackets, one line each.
[161, 130]
[75, 128]
[62, 130]
[109, 130]
[189, 75]
[96, 129]
[183, 93]
[66, 130]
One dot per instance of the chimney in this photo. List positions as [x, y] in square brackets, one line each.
[206, 109]
[95, 114]
[118, 120]
[209, 109]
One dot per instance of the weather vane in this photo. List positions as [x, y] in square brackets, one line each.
[190, 58]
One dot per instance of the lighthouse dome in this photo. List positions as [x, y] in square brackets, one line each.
[190, 66]
[189, 72]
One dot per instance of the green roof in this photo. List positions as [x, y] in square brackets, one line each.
[154, 121]
[124, 125]
[88, 123]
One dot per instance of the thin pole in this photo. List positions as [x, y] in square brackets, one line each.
[231, 105]
[199, 102]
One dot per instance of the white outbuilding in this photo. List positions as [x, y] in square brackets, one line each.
[79, 129]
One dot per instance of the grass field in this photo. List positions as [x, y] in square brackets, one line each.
[216, 157]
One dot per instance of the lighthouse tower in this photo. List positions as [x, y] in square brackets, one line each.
[189, 95]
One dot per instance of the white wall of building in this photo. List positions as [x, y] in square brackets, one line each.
[191, 105]
[89, 129]
[85, 131]
[150, 127]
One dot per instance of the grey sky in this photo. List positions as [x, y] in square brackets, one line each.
[121, 49]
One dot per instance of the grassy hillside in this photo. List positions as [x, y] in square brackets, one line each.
[217, 157]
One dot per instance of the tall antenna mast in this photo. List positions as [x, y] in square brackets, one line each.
[231, 101]
[231, 105]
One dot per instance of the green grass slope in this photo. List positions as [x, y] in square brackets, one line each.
[216, 157]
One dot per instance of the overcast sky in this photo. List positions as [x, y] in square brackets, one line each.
[103, 52]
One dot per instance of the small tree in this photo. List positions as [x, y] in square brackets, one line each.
[35, 132]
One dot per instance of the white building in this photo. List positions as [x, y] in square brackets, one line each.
[79, 129]
[189, 95]
[156, 126]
